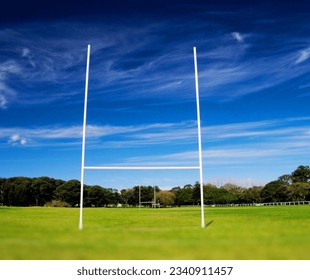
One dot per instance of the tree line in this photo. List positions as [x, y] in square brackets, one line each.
[45, 191]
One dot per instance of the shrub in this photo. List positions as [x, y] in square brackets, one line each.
[56, 203]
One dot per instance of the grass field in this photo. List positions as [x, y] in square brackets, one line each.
[276, 232]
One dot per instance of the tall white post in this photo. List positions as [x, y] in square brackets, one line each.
[199, 140]
[84, 138]
[155, 197]
[139, 197]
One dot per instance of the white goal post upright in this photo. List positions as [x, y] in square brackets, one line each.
[83, 167]
[199, 139]
[84, 138]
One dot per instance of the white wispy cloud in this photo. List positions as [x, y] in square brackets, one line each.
[117, 65]
[26, 53]
[235, 144]
[145, 68]
[17, 139]
[237, 36]
[303, 56]
[14, 137]
[231, 155]
[3, 101]
[8, 69]
[6, 94]
[275, 127]
[259, 142]
[143, 134]
[233, 79]
[292, 130]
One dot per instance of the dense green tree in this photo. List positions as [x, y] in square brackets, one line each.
[184, 196]
[196, 193]
[213, 195]
[210, 194]
[113, 196]
[6, 192]
[286, 179]
[95, 196]
[133, 198]
[20, 192]
[166, 198]
[274, 191]
[219, 196]
[301, 174]
[69, 192]
[43, 189]
[237, 193]
[253, 195]
[298, 191]
[126, 195]
[2, 187]
[146, 195]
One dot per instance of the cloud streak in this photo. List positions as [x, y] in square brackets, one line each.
[119, 66]
[227, 144]
[303, 56]
[237, 36]
[16, 139]
[141, 132]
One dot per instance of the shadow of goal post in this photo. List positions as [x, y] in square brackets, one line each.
[199, 167]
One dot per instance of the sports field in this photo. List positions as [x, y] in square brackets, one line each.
[275, 232]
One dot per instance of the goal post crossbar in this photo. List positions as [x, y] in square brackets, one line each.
[141, 167]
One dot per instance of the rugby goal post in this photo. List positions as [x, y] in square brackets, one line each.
[199, 167]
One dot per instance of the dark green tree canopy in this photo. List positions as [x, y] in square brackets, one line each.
[301, 174]
[23, 191]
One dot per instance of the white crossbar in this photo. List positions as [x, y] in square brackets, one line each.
[142, 167]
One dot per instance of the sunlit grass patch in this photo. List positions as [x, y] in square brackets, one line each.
[278, 232]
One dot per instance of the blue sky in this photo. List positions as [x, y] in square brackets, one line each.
[253, 62]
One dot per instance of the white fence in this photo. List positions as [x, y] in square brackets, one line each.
[260, 204]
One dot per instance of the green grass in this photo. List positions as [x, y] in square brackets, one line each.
[278, 232]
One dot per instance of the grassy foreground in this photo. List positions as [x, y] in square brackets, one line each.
[278, 232]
